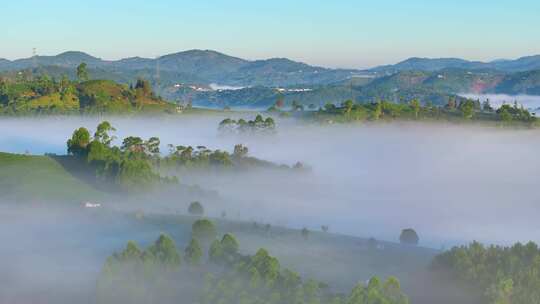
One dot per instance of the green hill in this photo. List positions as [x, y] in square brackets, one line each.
[40, 178]
[26, 94]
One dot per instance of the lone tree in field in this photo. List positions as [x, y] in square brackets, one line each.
[196, 208]
[409, 237]
[204, 231]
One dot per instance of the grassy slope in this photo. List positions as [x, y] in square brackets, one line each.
[341, 261]
[39, 178]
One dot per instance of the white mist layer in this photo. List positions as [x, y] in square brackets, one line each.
[452, 184]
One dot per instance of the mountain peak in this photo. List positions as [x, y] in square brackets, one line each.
[426, 59]
[75, 56]
[73, 53]
[194, 53]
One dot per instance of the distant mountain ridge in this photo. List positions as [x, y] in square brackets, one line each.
[435, 87]
[522, 64]
[188, 77]
[206, 65]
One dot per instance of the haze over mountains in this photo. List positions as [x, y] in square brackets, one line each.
[212, 62]
[203, 66]
[190, 75]
[428, 64]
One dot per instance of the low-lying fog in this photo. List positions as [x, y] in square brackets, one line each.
[452, 184]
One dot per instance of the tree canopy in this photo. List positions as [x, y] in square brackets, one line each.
[409, 237]
[195, 208]
[502, 274]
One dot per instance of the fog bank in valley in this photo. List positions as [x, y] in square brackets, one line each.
[452, 184]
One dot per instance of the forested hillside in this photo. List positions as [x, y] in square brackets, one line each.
[25, 93]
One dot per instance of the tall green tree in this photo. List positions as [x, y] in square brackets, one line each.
[409, 237]
[348, 106]
[203, 230]
[165, 253]
[82, 72]
[144, 87]
[152, 146]
[78, 143]
[415, 106]
[229, 244]
[133, 144]
[467, 109]
[102, 133]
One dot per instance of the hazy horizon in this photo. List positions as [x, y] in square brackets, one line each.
[265, 58]
[345, 34]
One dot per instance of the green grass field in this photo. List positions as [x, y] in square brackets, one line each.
[40, 178]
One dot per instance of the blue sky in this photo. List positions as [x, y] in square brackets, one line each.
[334, 33]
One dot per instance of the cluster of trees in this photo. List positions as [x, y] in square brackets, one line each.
[136, 163]
[26, 94]
[505, 274]
[465, 109]
[37, 95]
[258, 125]
[138, 276]
[508, 114]
[223, 275]
[130, 166]
[200, 157]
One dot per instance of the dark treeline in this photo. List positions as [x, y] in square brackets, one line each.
[458, 110]
[505, 275]
[137, 163]
[23, 94]
[258, 125]
[162, 274]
